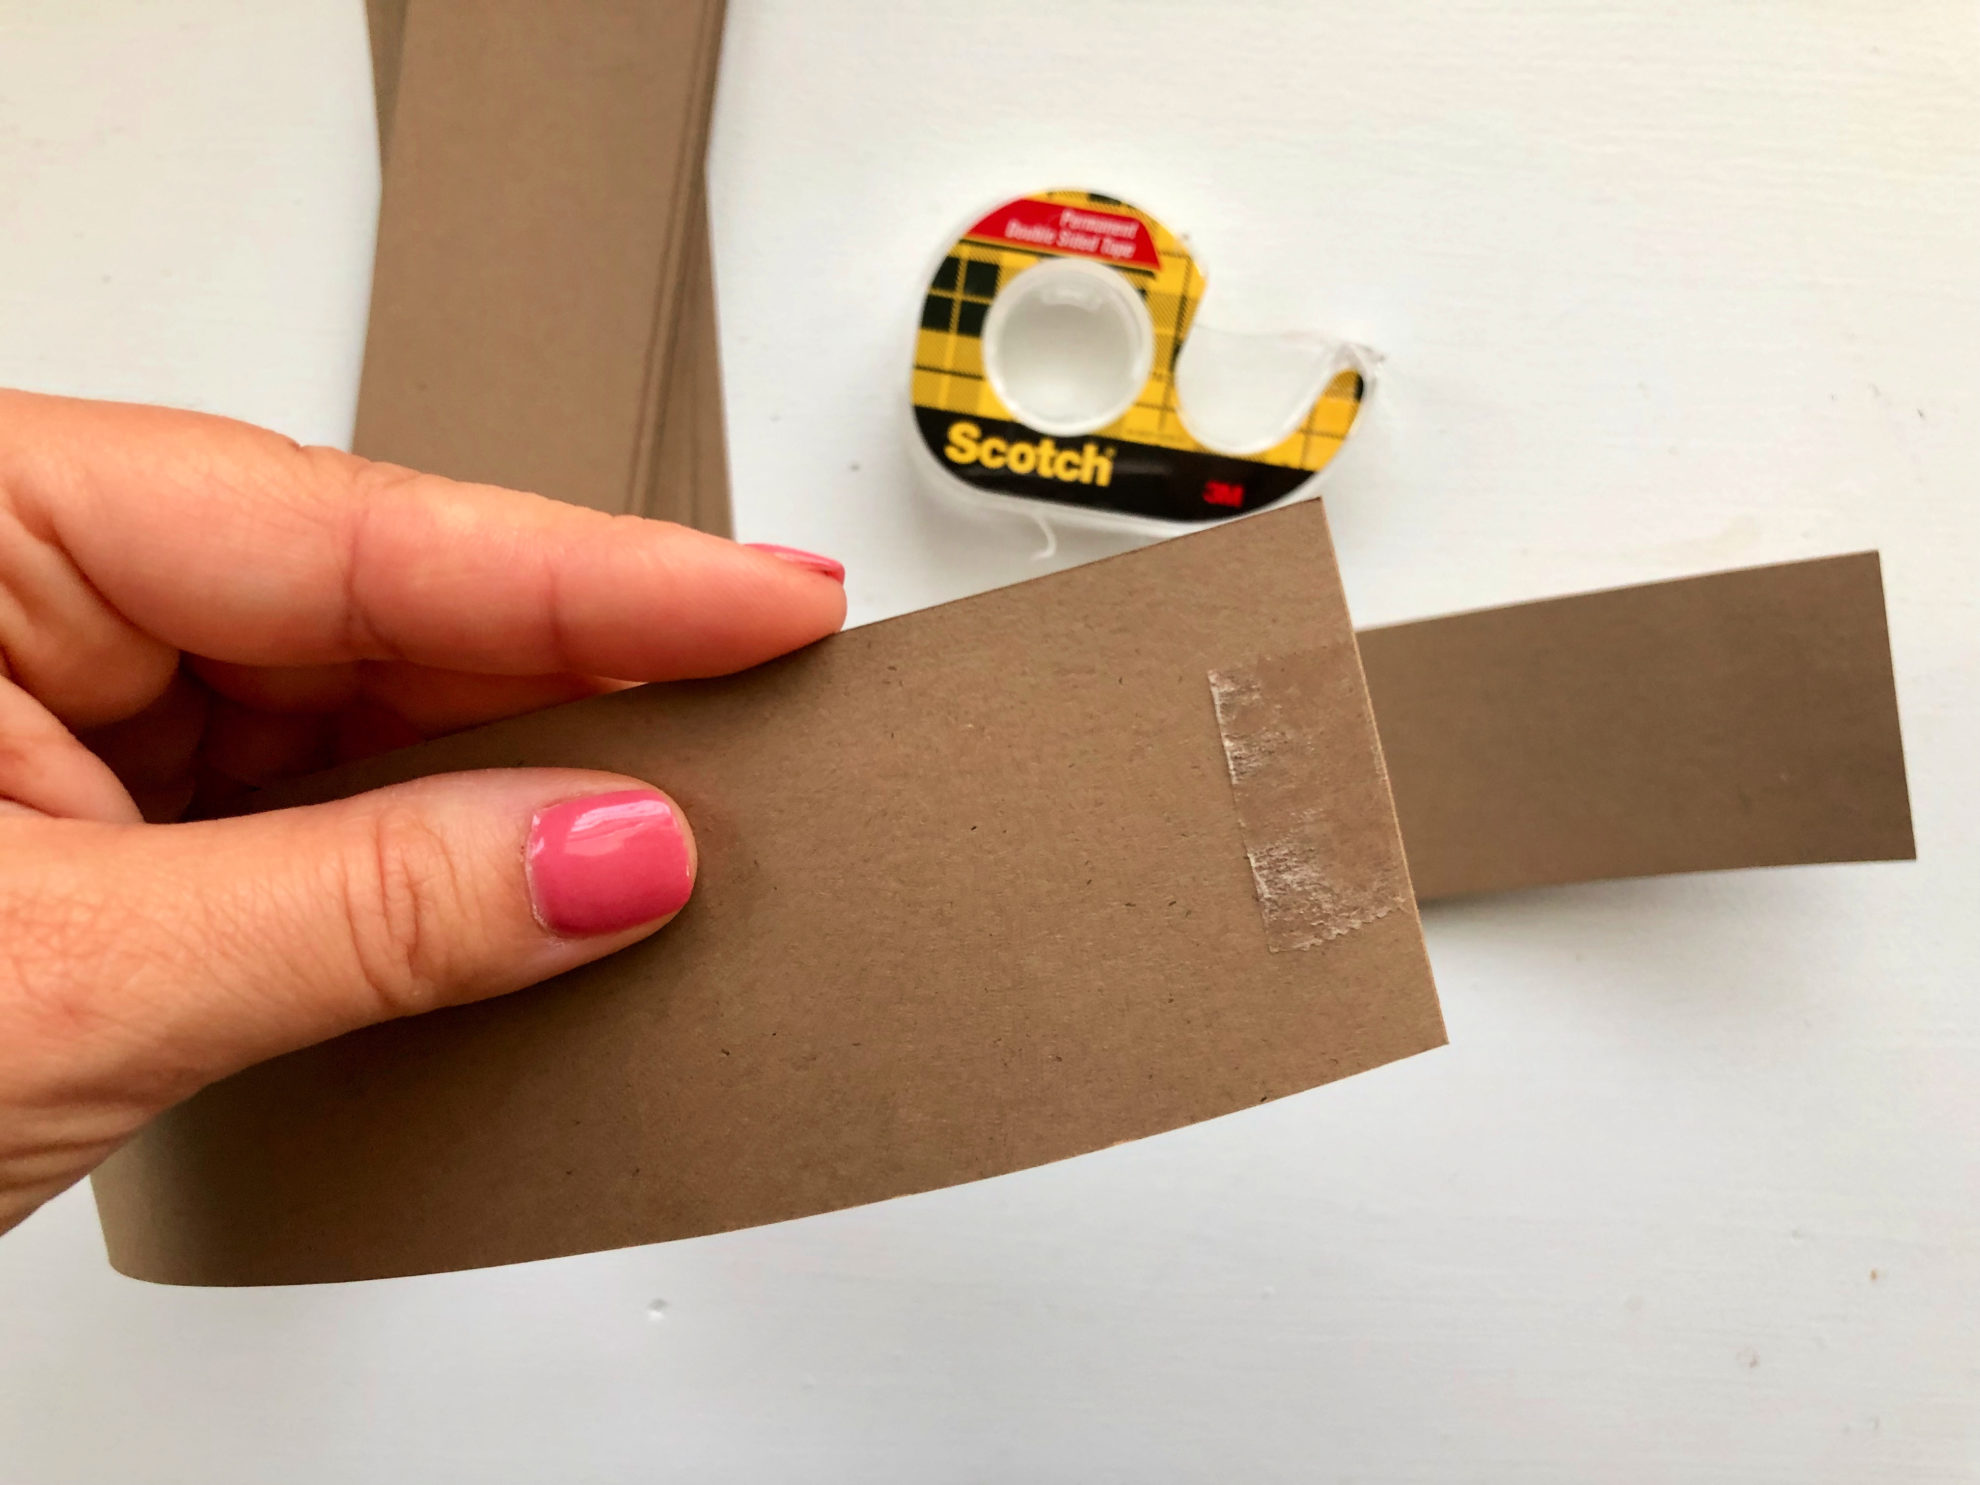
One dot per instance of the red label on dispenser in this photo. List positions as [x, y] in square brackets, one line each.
[1085, 231]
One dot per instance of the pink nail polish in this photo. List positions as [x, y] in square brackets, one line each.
[607, 862]
[836, 571]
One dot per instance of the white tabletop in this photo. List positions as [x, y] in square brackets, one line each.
[1695, 1192]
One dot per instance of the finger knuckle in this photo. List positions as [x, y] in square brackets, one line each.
[405, 895]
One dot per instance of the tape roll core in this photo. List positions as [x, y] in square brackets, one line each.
[1068, 345]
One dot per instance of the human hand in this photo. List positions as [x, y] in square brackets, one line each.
[190, 608]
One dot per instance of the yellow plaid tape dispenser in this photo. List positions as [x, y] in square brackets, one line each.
[1046, 366]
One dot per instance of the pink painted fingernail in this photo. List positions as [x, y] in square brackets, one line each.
[608, 862]
[836, 571]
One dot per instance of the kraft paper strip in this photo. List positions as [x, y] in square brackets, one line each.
[972, 897]
[1737, 719]
[533, 148]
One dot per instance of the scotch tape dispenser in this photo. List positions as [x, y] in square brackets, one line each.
[1060, 372]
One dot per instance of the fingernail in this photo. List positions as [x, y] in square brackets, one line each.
[608, 862]
[836, 571]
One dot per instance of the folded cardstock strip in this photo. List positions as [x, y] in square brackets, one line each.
[973, 896]
[1318, 870]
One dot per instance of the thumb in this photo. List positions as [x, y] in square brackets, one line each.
[142, 962]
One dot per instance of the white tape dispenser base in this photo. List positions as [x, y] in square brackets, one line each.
[1059, 373]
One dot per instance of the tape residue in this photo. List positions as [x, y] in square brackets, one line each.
[1312, 795]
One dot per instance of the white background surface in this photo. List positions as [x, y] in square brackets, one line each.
[1695, 1193]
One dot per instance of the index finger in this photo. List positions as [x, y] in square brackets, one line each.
[232, 542]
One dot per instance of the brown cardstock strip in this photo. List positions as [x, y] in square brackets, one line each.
[385, 22]
[689, 480]
[1741, 719]
[531, 320]
[1318, 875]
[690, 346]
[973, 897]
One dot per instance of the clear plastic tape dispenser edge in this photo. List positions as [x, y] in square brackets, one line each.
[1060, 374]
